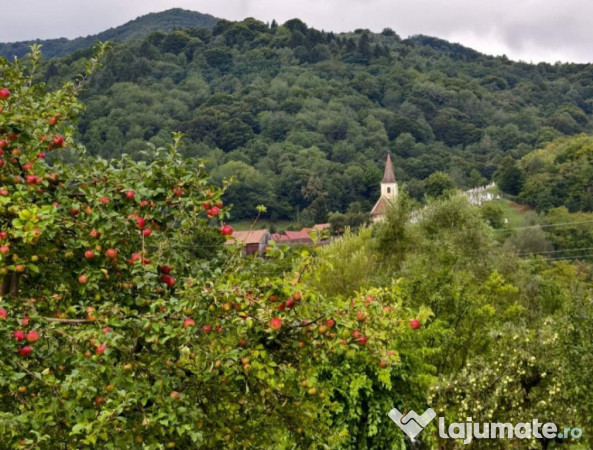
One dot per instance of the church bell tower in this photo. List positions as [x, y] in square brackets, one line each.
[388, 184]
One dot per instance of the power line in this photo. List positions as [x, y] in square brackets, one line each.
[545, 225]
[570, 257]
[554, 251]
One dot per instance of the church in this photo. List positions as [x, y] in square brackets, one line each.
[388, 192]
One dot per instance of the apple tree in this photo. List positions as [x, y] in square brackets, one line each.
[116, 334]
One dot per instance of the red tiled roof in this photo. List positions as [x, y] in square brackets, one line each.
[322, 226]
[380, 207]
[293, 237]
[248, 237]
[298, 235]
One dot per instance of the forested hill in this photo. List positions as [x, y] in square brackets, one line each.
[163, 21]
[304, 118]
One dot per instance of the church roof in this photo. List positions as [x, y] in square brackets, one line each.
[380, 207]
[388, 176]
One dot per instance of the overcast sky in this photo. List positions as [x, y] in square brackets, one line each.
[528, 30]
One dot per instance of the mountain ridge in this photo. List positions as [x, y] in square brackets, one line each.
[165, 21]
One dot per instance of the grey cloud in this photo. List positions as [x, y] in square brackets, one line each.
[531, 30]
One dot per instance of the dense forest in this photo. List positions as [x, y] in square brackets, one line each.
[558, 175]
[303, 119]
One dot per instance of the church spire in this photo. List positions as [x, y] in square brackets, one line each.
[388, 176]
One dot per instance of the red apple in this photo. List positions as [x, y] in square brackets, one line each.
[226, 230]
[297, 296]
[33, 336]
[146, 232]
[31, 179]
[25, 321]
[58, 141]
[140, 222]
[41, 155]
[414, 324]
[19, 335]
[94, 234]
[83, 279]
[213, 212]
[104, 200]
[330, 323]
[276, 323]
[89, 254]
[3, 313]
[101, 349]
[168, 280]
[25, 351]
[165, 269]
[111, 253]
[189, 322]
[4, 249]
[130, 195]
[207, 328]
[3, 234]
[290, 303]
[362, 340]
[4, 93]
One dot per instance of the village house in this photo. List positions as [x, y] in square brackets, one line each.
[253, 241]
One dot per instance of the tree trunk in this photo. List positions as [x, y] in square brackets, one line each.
[10, 285]
[14, 285]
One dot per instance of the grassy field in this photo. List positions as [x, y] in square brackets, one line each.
[512, 211]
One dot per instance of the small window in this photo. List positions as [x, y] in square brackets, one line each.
[389, 190]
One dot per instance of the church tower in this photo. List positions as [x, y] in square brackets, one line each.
[389, 185]
[389, 192]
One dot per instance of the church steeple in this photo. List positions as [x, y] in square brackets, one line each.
[389, 185]
[388, 176]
